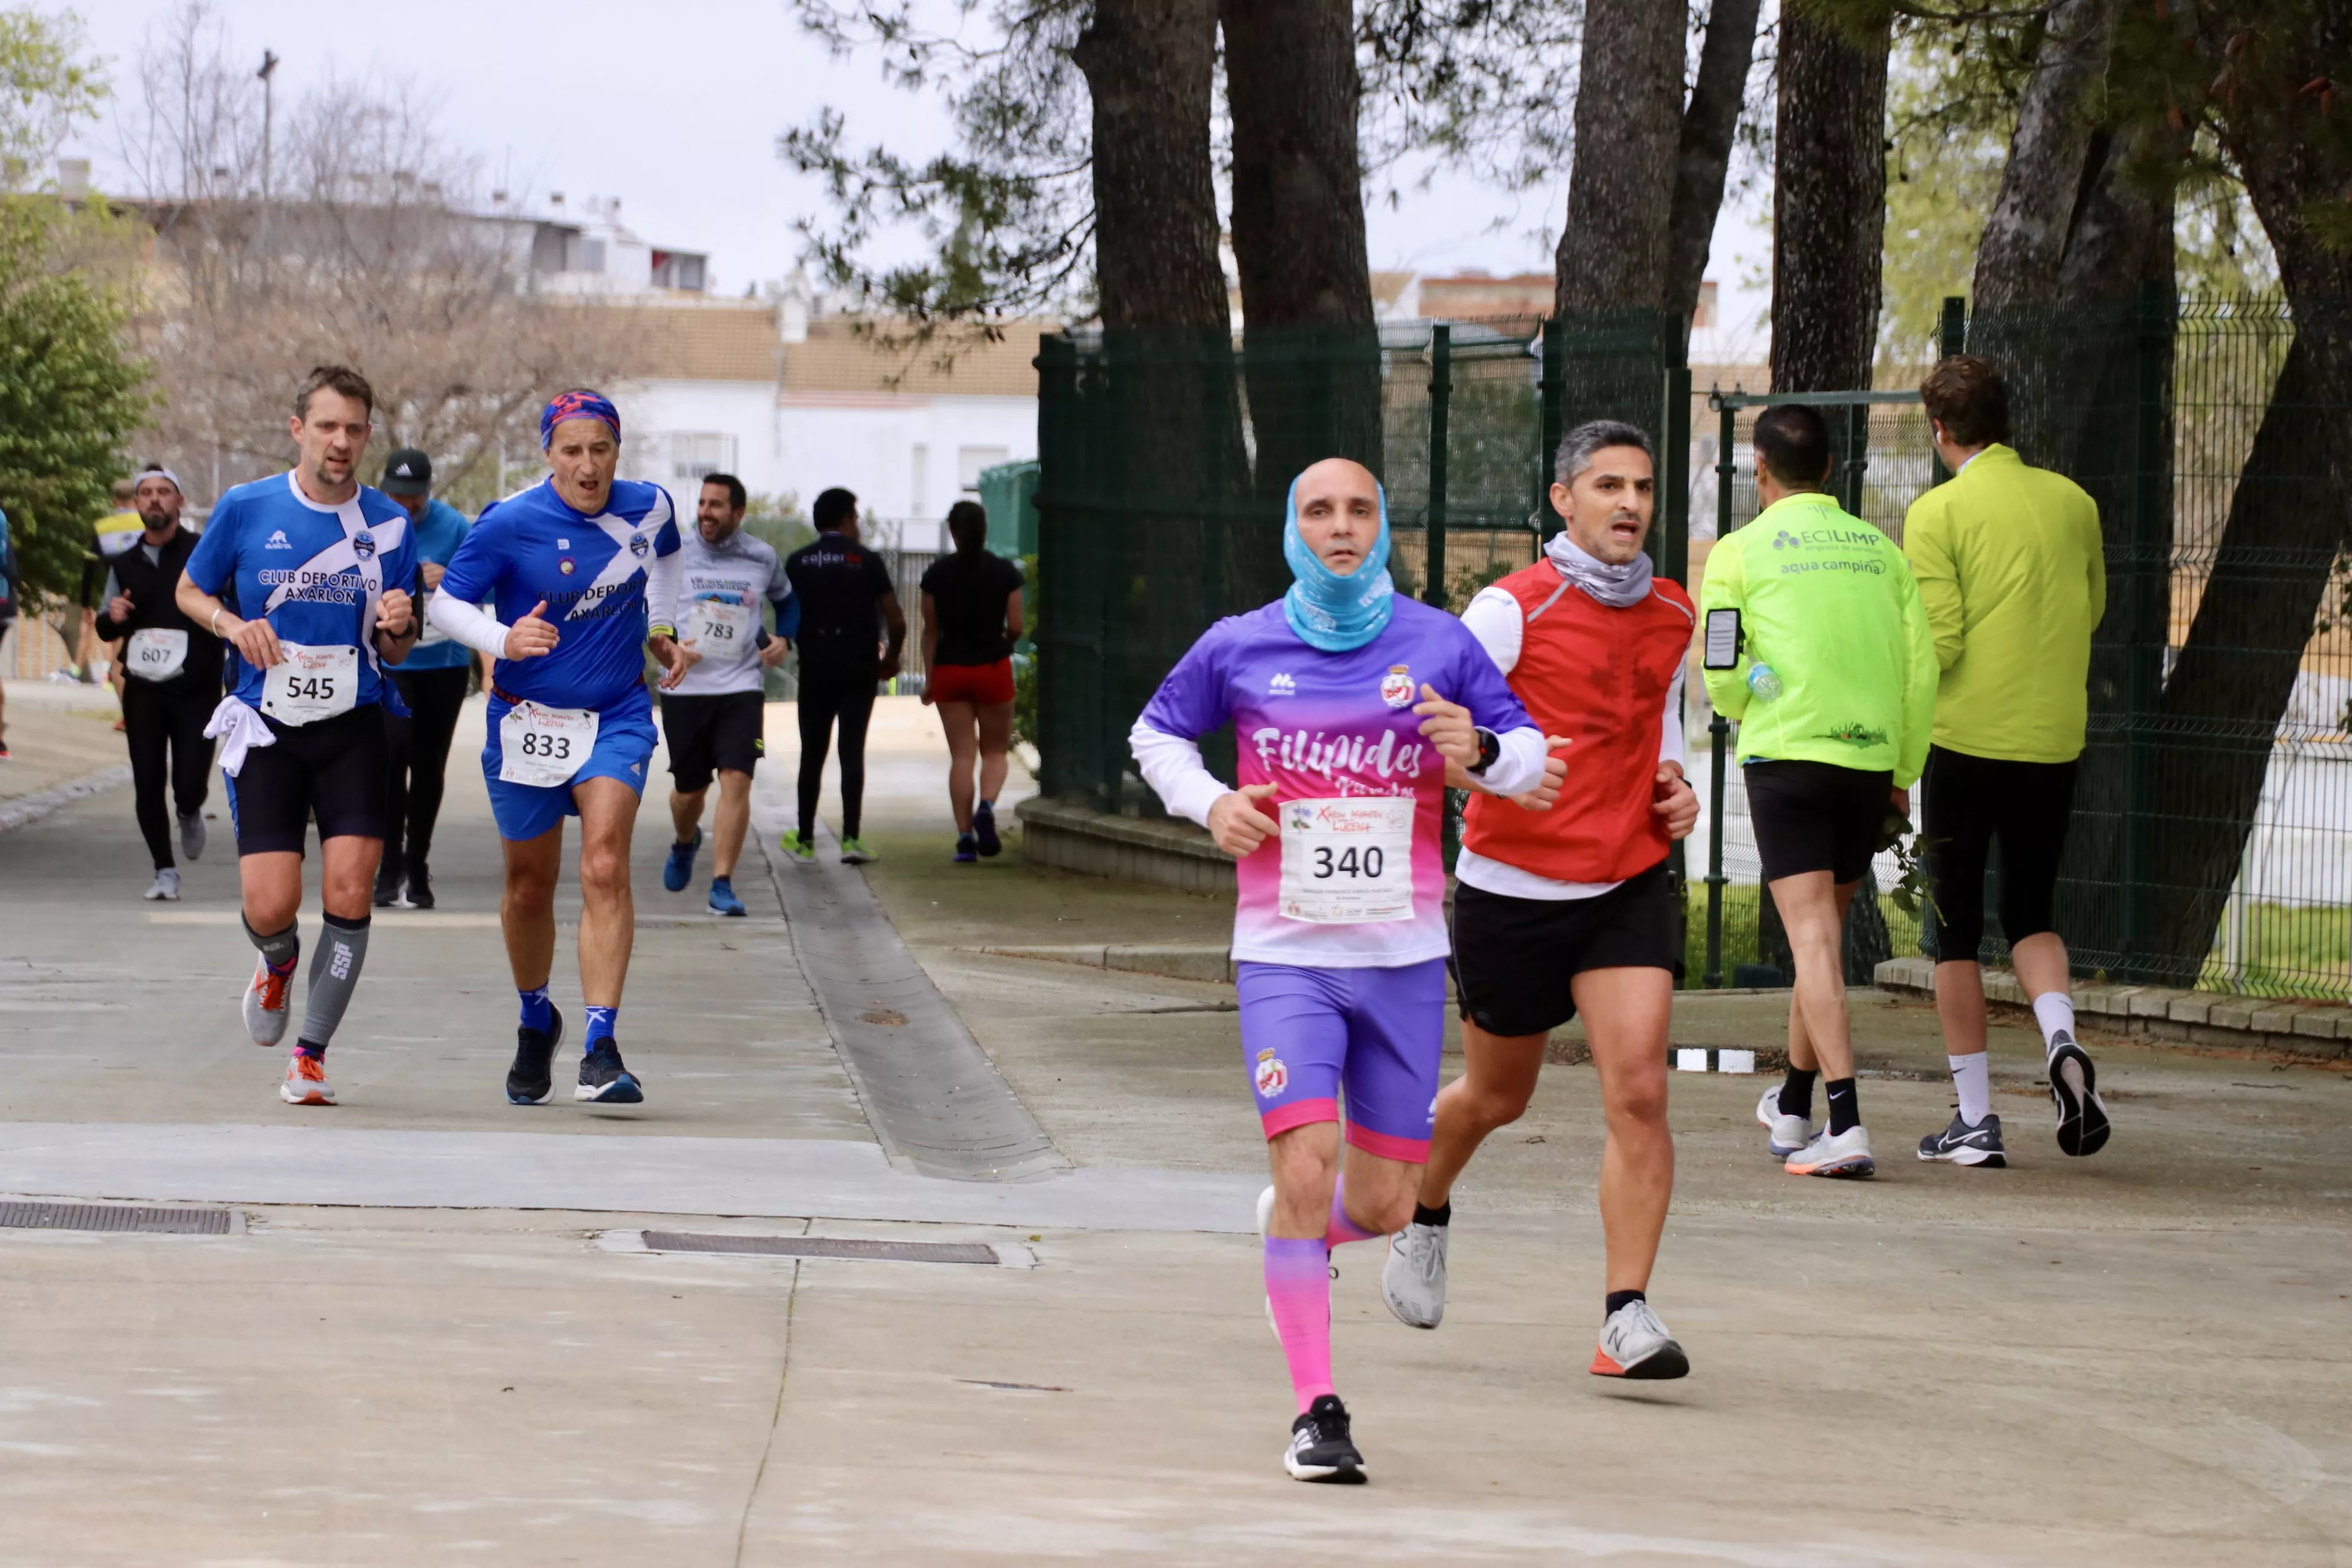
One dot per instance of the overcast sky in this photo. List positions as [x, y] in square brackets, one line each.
[673, 107]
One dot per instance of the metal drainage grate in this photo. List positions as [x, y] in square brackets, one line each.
[107, 1216]
[824, 1247]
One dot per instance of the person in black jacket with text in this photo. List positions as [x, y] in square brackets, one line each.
[173, 668]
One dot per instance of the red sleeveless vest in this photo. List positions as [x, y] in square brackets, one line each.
[1600, 676]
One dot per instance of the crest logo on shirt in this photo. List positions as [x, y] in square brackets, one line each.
[1272, 1075]
[566, 565]
[638, 546]
[277, 541]
[1282, 686]
[363, 544]
[1396, 686]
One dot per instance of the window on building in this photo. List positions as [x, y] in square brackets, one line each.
[694, 453]
[918, 477]
[970, 460]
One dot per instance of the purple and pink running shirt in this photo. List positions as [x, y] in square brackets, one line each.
[1356, 879]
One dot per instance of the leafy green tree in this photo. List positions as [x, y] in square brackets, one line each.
[45, 88]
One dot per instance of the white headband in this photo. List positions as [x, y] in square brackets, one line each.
[159, 468]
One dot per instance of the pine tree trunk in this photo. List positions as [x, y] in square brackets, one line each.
[1703, 155]
[1829, 205]
[2025, 235]
[1613, 252]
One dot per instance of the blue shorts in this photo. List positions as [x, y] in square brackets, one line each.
[624, 749]
[1308, 1034]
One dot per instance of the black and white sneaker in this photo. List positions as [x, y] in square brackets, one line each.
[604, 1080]
[532, 1078]
[2073, 1088]
[1961, 1144]
[1320, 1448]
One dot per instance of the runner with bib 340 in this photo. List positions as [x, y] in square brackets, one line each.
[572, 564]
[1346, 702]
[319, 568]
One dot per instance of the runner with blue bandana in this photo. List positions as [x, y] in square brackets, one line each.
[572, 564]
[306, 576]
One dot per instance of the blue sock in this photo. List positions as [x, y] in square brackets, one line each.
[599, 1023]
[538, 1012]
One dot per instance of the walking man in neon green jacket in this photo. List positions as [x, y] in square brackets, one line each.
[2009, 563]
[1817, 645]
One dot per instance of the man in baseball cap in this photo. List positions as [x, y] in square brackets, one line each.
[432, 681]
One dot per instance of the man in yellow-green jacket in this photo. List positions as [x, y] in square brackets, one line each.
[2009, 562]
[1816, 642]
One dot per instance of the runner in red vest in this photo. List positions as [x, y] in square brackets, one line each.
[1566, 909]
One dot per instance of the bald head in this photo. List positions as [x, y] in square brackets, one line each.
[1339, 505]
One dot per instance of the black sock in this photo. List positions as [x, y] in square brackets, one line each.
[311, 1049]
[1442, 1214]
[1845, 1109]
[1797, 1092]
[1617, 1298]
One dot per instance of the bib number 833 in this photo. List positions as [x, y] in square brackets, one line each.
[549, 748]
[1353, 861]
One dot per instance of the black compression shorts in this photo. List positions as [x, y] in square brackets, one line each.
[1515, 959]
[332, 770]
[726, 732]
[1967, 801]
[1816, 817]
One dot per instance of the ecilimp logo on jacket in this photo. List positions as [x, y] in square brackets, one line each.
[1272, 1075]
[1784, 540]
[638, 546]
[1396, 686]
[363, 544]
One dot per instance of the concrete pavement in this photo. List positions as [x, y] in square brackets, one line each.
[2140, 1358]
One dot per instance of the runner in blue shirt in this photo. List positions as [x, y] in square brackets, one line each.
[432, 680]
[572, 565]
[308, 577]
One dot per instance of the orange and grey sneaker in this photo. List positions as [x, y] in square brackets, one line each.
[1633, 1344]
[267, 1002]
[306, 1081]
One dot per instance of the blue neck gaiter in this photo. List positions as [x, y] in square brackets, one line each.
[1336, 613]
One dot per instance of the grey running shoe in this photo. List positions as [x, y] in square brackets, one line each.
[268, 1003]
[2073, 1086]
[1320, 1446]
[1846, 1154]
[191, 836]
[1783, 1134]
[165, 886]
[1633, 1344]
[1412, 1280]
[1961, 1144]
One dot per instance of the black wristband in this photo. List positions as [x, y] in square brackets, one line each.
[1490, 747]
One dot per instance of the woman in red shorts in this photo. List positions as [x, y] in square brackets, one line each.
[971, 617]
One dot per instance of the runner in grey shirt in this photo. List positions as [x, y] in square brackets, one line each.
[714, 715]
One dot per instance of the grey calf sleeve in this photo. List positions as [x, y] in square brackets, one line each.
[280, 949]
[334, 974]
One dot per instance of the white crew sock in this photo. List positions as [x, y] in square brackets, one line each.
[1975, 1084]
[2054, 1010]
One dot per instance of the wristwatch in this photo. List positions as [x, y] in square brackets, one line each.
[1490, 746]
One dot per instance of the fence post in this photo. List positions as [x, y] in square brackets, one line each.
[1554, 389]
[1951, 337]
[1441, 408]
[2151, 328]
[1726, 471]
[1673, 549]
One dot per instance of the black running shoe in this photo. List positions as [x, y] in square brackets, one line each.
[1320, 1448]
[1961, 1144]
[387, 892]
[2074, 1087]
[604, 1080]
[420, 887]
[983, 831]
[532, 1078]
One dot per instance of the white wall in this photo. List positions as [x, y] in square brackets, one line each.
[802, 444]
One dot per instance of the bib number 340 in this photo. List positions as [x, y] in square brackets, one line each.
[1348, 861]
[543, 746]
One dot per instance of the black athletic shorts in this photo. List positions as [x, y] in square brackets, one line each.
[727, 732]
[1514, 958]
[332, 770]
[1965, 804]
[1816, 817]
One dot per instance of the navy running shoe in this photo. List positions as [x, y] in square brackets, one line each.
[723, 900]
[983, 830]
[678, 869]
[604, 1080]
[965, 854]
[532, 1078]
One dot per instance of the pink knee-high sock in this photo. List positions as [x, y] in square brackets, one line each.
[1341, 1227]
[1298, 1288]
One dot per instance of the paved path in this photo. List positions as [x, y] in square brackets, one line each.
[428, 1344]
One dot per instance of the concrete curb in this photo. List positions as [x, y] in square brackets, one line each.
[2314, 1031]
[25, 808]
[1176, 961]
[1167, 853]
